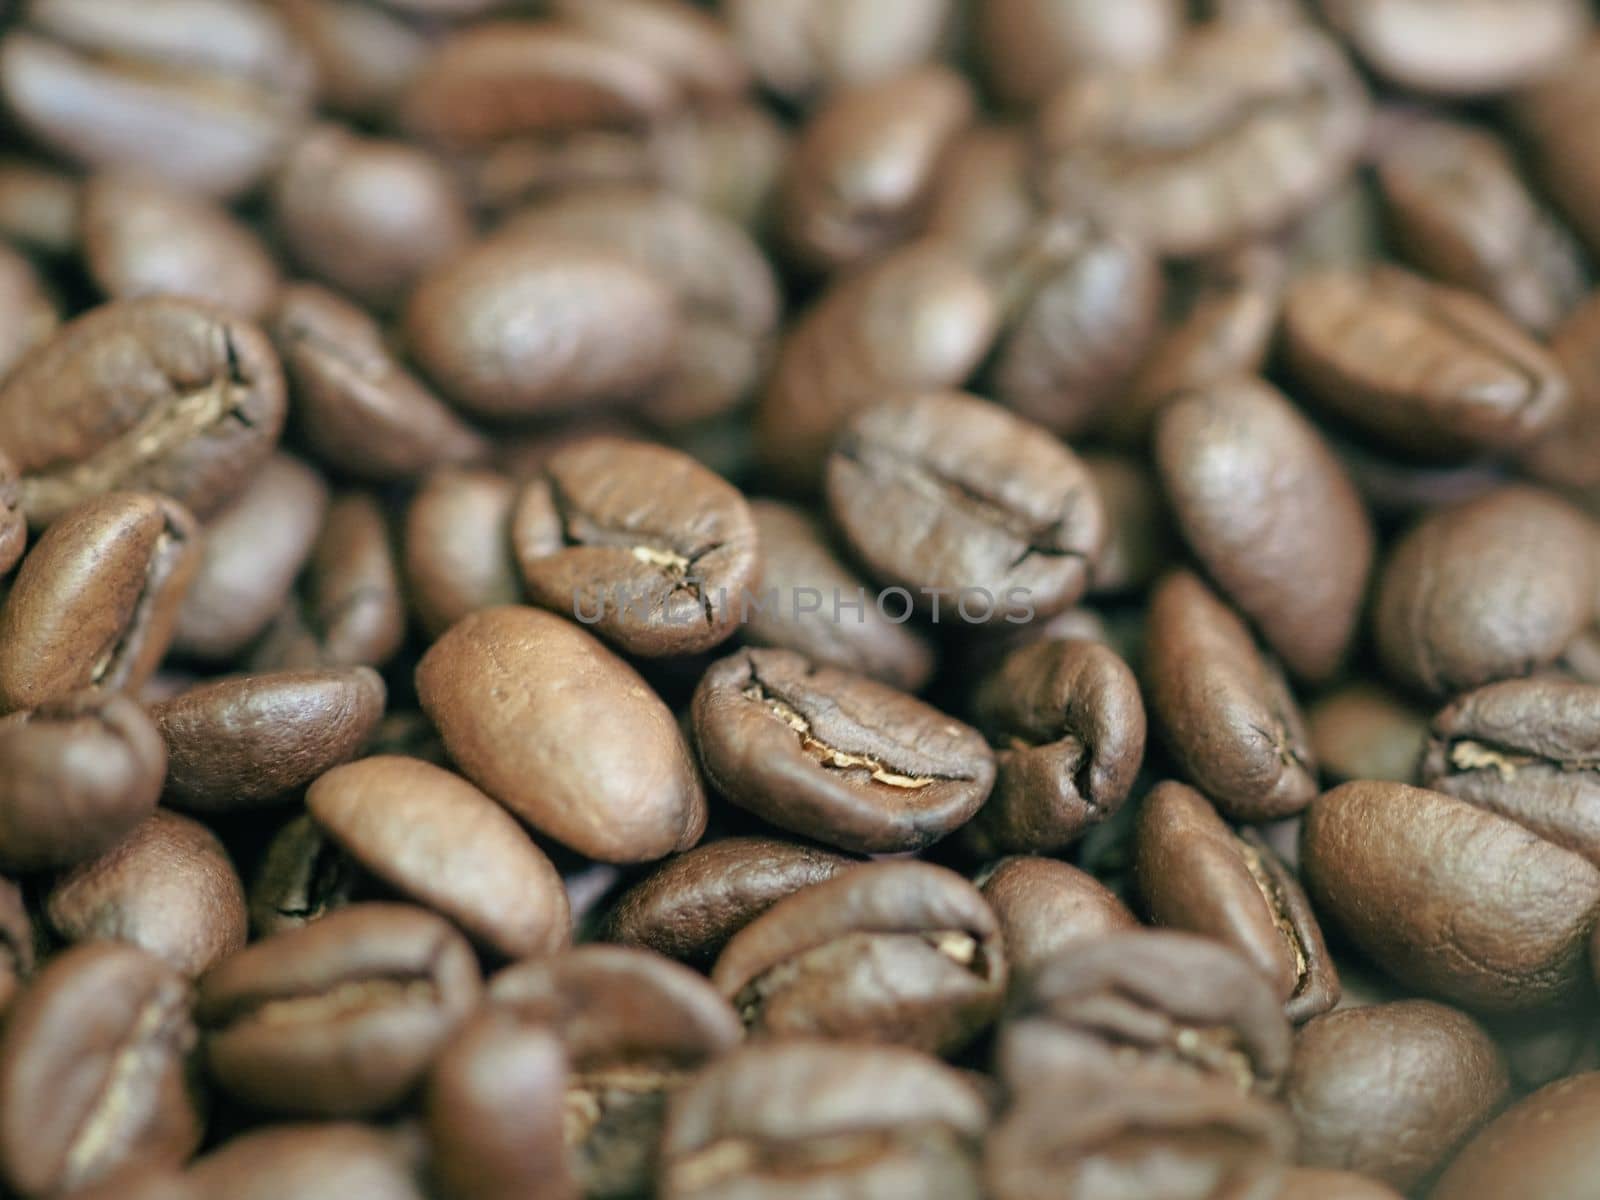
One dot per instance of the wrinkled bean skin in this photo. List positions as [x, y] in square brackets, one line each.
[95, 603]
[1390, 1090]
[836, 756]
[1542, 1148]
[1045, 907]
[1270, 512]
[1474, 909]
[499, 686]
[1453, 609]
[1224, 709]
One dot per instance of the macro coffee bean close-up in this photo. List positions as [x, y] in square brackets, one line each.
[800, 600]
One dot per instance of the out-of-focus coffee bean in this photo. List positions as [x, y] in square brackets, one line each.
[457, 546]
[1029, 46]
[28, 315]
[1138, 537]
[16, 943]
[690, 46]
[303, 876]
[1365, 732]
[38, 206]
[1045, 906]
[1554, 116]
[13, 521]
[335, 1160]
[1566, 455]
[981, 199]
[728, 159]
[365, 54]
[1542, 1148]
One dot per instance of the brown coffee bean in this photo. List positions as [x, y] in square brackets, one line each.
[805, 48]
[693, 47]
[1391, 1090]
[1235, 134]
[168, 887]
[1554, 115]
[13, 521]
[457, 546]
[1565, 455]
[823, 1118]
[1068, 728]
[726, 291]
[303, 876]
[109, 87]
[981, 201]
[900, 952]
[159, 393]
[95, 602]
[1542, 1148]
[919, 319]
[1364, 732]
[1198, 875]
[635, 1027]
[438, 840]
[836, 756]
[1085, 302]
[1045, 907]
[799, 560]
[1138, 531]
[1492, 588]
[251, 553]
[1029, 46]
[96, 1070]
[1460, 49]
[365, 55]
[541, 716]
[727, 159]
[639, 542]
[252, 740]
[333, 1160]
[1145, 1007]
[360, 411]
[367, 216]
[859, 178]
[1451, 900]
[1271, 514]
[340, 1017]
[1222, 707]
[1421, 368]
[142, 237]
[496, 1108]
[948, 496]
[1318, 1183]
[523, 326]
[38, 206]
[27, 310]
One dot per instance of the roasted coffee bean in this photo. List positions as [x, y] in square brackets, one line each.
[365, 55]
[1565, 456]
[1544, 1047]
[520, 326]
[13, 522]
[1452, 900]
[1542, 1148]
[96, 1070]
[1422, 369]
[203, 94]
[1068, 728]
[693, 47]
[635, 1028]
[438, 840]
[252, 740]
[16, 943]
[727, 294]
[820, 1118]
[457, 546]
[351, 611]
[159, 393]
[249, 558]
[917, 320]
[835, 756]
[798, 561]
[303, 876]
[859, 178]
[1364, 732]
[1080, 1139]
[27, 309]
[1269, 511]
[1464, 48]
[95, 602]
[336, 1160]
[1145, 1007]
[1222, 707]
[1492, 588]
[1391, 1090]
[1085, 303]
[641, 543]
[1461, 213]
[1235, 134]
[496, 1108]
[1318, 1183]
[982, 200]
[1554, 114]
[803, 48]
[168, 888]
[1045, 906]
[1030, 46]
[145, 238]
[690, 906]
[367, 216]
[1525, 749]
[359, 410]
[539, 714]
[38, 206]
[901, 952]
[727, 159]
[1198, 875]
[340, 1017]
[946, 496]
[1138, 531]
[84, 770]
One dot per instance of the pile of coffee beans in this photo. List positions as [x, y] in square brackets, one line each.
[799, 600]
